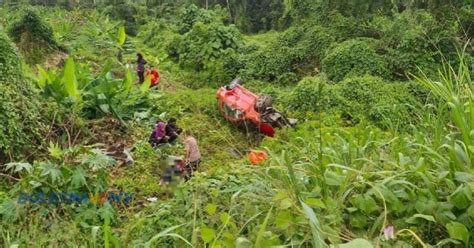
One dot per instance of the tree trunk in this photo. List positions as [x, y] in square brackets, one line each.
[228, 7]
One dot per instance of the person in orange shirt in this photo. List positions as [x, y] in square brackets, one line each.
[154, 76]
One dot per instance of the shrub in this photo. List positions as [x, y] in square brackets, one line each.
[206, 48]
[411, 48]
[287, 78]
[156, 35]
[417, 40]
[368, 97]
[268, 64]
[355, 57]
[191, 15]
[9, 60]
[19, 119]
[33, 37]
[205, 43]
[298, 50]
[314, 43]
[312, 94]
[384, 104]
[347, 26]
[232, 65]
[466, 17]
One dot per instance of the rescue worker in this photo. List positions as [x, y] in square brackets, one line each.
[172, 131]
[158, 136]
[192, 155]
[141, 62]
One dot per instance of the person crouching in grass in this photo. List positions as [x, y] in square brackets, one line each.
[192, 155]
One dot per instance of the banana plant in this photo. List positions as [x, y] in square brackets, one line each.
[119, 39]
[94, 96]
[61, 85]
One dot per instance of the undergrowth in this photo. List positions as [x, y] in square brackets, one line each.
[382, 155]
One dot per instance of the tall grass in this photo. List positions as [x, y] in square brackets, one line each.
[456, 92]
[418, 181]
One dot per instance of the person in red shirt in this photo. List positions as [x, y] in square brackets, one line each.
[154, 76]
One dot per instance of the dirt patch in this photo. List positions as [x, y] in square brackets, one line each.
[55, 60]
[113, 135]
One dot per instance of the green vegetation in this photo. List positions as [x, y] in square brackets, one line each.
[33, 37]
[19, 105]
[354, 58]
[385, 104]
[203, 43]
[382, 156]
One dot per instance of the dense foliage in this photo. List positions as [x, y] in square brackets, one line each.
[203, 42]
[382, 155]
[385, 104]
[33, 37]
[297, 51]
[354, 58]
[127, 12]
[20, 121]
[76, 88]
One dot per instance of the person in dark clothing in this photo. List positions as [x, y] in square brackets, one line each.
[168, 175]
[141, 62]
[174, 168]
[172, 131]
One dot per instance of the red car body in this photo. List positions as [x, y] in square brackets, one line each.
[237, 105]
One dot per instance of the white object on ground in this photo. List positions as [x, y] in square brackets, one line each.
[171, 160]
[129, 159]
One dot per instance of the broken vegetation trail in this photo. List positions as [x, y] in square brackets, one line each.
[221, 143]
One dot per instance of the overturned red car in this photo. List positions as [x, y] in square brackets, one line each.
[240, 106]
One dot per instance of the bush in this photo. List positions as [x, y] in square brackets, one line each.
[417, 40]
[466, 17]
[354, 57]
[267, 64]
[232, 65]
[298, 50]
[94, 96]
[347, 26]
[156, 35]
[287, 78]
[312, 94]
[314, 43]
[412, 48]
[205, 43]
[191, 15]
[384, 104]
[19, 119]
[207, 49]
[33, 37]
[368, 97]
